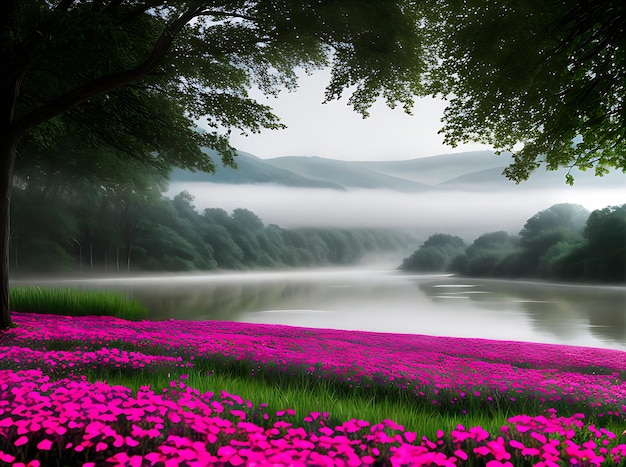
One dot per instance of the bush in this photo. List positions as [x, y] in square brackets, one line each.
[435, 254]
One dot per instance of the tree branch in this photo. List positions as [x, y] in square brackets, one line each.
[106, 83]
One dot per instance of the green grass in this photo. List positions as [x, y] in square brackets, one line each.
[305, 394]
[73, 302]
[314, 396]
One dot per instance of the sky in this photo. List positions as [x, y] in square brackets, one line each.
[335, 131]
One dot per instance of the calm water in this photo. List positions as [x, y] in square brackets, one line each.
[385, 301]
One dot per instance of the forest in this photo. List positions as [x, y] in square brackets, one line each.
[563, 242]
[77, 224]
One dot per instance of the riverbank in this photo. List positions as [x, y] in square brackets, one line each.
[379, 300]
[315, 396]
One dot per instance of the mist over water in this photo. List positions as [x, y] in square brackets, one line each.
[382, 300]
[465, 213]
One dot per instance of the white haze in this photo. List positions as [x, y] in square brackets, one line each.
[334, 130]
[467, 214]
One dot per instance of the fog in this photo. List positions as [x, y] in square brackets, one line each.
[467, 214]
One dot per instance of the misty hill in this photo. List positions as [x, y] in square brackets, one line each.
[250, 170]
[349, 174]
[437, 169]
[474, 171]
[541, 179]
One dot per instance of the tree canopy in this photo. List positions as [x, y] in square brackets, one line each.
[542, 79]
[435, 254]
[128, 78]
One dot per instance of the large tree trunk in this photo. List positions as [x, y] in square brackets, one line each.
[7, 161]
[9, 90]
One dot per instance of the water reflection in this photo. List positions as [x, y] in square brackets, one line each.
[384, 301]
[562, 310]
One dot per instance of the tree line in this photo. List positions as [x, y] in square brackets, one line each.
[563, 242]
[60, 225]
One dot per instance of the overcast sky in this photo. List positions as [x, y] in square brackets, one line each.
[336, 131]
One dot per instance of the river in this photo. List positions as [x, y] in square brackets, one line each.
[384, 301]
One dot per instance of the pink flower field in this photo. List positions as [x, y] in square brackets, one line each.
[50, 414]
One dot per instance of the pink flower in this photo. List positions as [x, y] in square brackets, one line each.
[479, 433]
[8, 458]
[530, 452]
[226, 452]
[44, 445]
[482, 450]
[495, 463]
[21, 440]
[238, 413]
[539, 437]
[154, 457]
[516, 444]
[131, 442]
[6, 422]
[236, 460]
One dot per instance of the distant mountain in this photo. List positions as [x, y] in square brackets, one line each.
[250, 170]
[541, 179]
[473, 171]
[349, 174]
[437, 169]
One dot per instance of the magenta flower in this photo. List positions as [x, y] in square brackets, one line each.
[8, 458]
[21, 441]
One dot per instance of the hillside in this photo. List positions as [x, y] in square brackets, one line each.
[434, 170]
[250, 170]
[493, 179]
[346, 173]
[472, 171]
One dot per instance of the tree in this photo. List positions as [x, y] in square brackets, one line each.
[168, 238]
[82, 70]
[482, 257]
[435, 254]
[129, 201]
[546, 75]
[57, 229]
[605, 252]
[554, 227]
